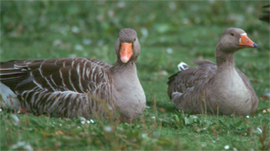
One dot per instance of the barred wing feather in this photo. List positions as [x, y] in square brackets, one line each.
[60, 87]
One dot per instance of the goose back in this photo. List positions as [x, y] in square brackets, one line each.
[59, 87]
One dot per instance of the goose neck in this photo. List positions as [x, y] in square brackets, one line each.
[225, 60]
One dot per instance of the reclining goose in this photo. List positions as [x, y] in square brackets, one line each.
[220, 88]
[76, 87]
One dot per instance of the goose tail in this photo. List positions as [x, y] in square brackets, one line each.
[182, 66]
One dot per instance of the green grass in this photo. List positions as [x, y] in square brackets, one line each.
[46, 29]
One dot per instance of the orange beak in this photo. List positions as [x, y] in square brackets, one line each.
[125, 52]
[245, 42]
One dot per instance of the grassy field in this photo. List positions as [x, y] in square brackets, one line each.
[169, 32]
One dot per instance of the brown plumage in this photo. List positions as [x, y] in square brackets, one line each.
[266, 14]
[215, 88]
[77, 87]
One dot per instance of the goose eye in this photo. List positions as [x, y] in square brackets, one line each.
[135, 39]
[232, 34]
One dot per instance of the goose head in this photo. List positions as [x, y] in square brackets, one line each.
[127, 46]
[234, 39]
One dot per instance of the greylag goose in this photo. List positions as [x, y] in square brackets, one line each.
[215, 88]
[77, 87]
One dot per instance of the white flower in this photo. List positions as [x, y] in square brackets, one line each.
[121, 4]
[87, 41]
[259, 129]
[144, 135]
[194, 116]
[57, 42]
[111, 13]
[169, 50]
[100, 42]
[19, 144]
[16, 119]
[75, 29]
[72, 55]
[78, 47]
[172, 5]
[144, 32]
[22, 144]
[92, 121]
[28, 148]
[82, 118]
[226, 147]
[85, 54]
[107, 128]
[235, 149]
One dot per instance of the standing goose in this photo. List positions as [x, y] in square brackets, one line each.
[77, 87]
[220, 88]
